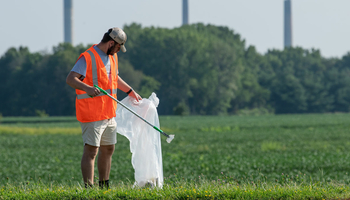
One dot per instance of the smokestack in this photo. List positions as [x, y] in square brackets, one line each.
[68, 21]
[287, 23]
[184, 12]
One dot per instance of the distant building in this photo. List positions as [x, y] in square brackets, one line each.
[68, 21]
[287, 23]
[184, 12]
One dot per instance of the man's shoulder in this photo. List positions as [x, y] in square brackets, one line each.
[80, 66]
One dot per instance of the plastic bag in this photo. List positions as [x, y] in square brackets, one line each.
[145, 143]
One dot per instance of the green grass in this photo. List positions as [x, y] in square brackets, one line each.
[289, 152]
[39, 122]
[177, 189]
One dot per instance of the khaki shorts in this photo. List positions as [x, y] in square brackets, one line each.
[98, 133]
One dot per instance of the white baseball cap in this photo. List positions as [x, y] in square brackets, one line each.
[118, 35]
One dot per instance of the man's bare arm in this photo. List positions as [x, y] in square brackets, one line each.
[123, 86]
[74, 81]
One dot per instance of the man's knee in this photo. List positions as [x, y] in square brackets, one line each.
[107, 149]
[90, 151]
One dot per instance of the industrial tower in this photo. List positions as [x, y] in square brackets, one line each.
[287, 23]
[184, 12]
[68, 21]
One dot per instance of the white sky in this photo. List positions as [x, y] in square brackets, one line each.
[38, 24]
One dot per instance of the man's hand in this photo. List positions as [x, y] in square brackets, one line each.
[92, 91]
[135, 95]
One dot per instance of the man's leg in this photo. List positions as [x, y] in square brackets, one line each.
[87, 163]
[104, 163]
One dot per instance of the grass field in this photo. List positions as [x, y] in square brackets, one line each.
[211, 153]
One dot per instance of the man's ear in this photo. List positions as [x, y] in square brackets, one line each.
[110, 43]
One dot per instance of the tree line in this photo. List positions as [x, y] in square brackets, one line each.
[194, 69]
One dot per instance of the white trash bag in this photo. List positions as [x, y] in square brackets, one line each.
[145, 144]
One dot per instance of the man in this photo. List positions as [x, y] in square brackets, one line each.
[95, 111]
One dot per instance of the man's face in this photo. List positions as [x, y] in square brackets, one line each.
[114, 48]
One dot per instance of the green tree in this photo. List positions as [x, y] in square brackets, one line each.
[194, 64]
[338, 74]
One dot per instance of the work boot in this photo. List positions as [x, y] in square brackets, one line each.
[104, 184]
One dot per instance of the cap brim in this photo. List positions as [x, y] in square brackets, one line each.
[122, 47]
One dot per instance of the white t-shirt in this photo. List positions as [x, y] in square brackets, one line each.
[80, 65]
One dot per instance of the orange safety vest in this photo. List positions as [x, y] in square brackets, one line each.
[100, 107]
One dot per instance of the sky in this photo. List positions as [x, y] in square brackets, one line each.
[318, 24]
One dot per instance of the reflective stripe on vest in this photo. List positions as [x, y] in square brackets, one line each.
[94, 68]
[85, 96]
[115, 63]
